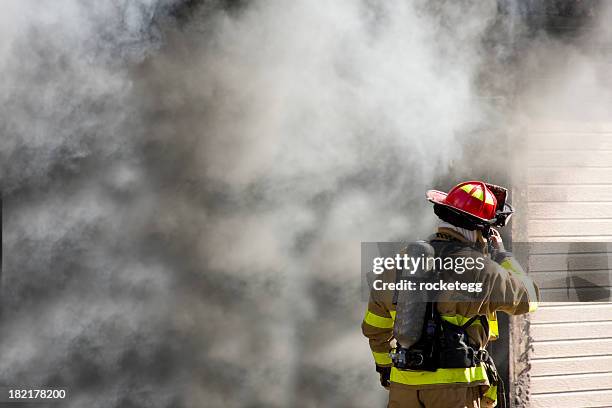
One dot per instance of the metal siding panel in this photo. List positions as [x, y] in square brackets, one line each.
[577, 348]
[557, 280]
[573, 238]
[568, 331]
[541, 248]
[572, 294]
[551, 211]
[570, 365]
[567, 141]
[580, 399]
[569, 199]
[576, 382]
[573, 262]
[569, 193]
[543, 127]
[568, 175]
[562, 314]
[542, 228]
[570, 158]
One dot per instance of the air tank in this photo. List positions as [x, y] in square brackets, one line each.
[411, 304]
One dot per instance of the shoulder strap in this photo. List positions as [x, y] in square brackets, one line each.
[483, 321]
[469, 322]
[395, 292]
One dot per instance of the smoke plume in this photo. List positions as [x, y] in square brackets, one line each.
[186, 186]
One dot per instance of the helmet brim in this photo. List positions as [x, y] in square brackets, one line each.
[439, 197]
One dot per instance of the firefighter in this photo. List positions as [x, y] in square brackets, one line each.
[467, 216]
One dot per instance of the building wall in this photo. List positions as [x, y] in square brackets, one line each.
[569, 199]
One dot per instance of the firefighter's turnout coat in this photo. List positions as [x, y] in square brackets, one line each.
[505, 288]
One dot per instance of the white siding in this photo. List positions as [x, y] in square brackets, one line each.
[569, 199]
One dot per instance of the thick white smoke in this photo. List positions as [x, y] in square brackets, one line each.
[312, 128]
[186, 186]
[86, 297]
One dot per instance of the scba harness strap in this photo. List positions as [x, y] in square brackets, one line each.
[442, 345]
[455, 348]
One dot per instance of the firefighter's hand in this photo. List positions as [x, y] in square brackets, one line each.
[496, 240]
[385, 375]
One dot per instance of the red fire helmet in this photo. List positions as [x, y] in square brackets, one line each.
[474, 198]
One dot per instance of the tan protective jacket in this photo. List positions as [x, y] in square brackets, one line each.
[505, 287]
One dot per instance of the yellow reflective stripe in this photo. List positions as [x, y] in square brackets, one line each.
[378, 321]
[440, 376]
[381, 358]
[459, 320]
[467, 188]
[489, 200]
[492, 393]
[393, 312]
[513, 266]
[478, 192]
[493, 327]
